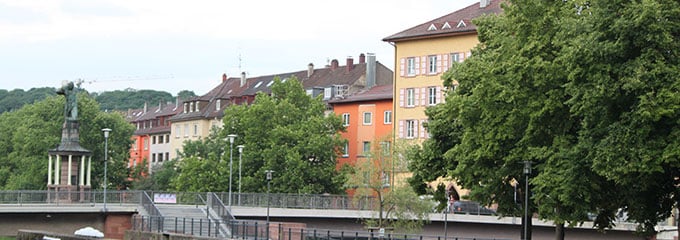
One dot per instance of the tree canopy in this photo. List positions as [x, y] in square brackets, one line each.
[287, 132]
[585, 90]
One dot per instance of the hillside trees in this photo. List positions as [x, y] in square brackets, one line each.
[32, 130]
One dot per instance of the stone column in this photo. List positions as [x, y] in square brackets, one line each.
[49, 171]
[81, 176]
[56, 171]
[89, 171]
[70, 164]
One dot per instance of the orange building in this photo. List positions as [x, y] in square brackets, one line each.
[368, 119]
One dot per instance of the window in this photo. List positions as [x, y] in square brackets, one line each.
[191, 107]
[410, 97]
[135, 145]
[146, 144]
[432, 63]
[345, 119]
[218, 104]
[345, 150]
[410, 129]
[368, 118]
[367, 148]
[160, 157]
[432, 95]
[186, 130]
[341, 90]
[385, 147]
[455, 57]
[387, 117]
[185, 107]
[153, 140]
[197, 108]
[411, 66]
[177, 131]
[167, 138]
[153, 157]
[195, 130]
[167, 156]
[160, 139]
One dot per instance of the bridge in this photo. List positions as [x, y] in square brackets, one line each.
[291, 216]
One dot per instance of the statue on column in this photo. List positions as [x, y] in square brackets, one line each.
[71, 107]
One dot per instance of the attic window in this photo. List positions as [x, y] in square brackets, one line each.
[461, 24]
[446, 26]
[258, 85]
[432, 27]
[270, 84]
[229, 92]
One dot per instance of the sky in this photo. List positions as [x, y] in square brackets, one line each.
[187, 45]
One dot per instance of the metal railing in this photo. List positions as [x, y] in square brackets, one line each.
[219, 208]
[281, 231]
[22, 197]
[153, 212]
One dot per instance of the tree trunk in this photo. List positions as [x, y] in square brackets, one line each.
[559, 231]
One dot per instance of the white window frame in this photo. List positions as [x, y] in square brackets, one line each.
[195, 129]
[432, 95]
[345, 150]
[345, 119]
[368, 118]
[411, 66]
[387, 117]
[410, 130]
[455, 57]
[366, 147]
[410, 97]
[218, 104]
[178, 131]
[186, 130]
[432, 64]
[385, 148]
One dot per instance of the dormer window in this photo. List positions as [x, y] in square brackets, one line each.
[185, 107]
[461, 24]
[218, 104]
[258, 85]
[432, 27]
[446, 26]
[191, 107]
[197, 110]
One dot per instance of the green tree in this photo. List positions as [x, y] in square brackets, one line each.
[202, 168]
[624, 80]
[397, 207]
[289, 133]
[29, 132]
[159, 179]
[123, 100]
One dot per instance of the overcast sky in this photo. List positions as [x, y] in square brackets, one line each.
[187, 45]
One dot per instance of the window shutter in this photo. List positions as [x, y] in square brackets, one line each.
[401, 128]
[401, 97]
[424, 65]
[415, 128]
[445, 62]
[402, 67]
[421, 129]
[417, 60]
[443, 98]
[439, 95]
[424, 133]
[424, 96]
[439, 63]
[416, 96]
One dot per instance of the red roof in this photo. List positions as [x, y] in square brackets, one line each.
[455, 23]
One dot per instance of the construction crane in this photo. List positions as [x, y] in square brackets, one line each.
[80, 81]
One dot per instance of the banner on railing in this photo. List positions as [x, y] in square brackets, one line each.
[164, 198]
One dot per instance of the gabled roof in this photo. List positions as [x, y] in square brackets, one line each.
[435, 27]
[383, 92]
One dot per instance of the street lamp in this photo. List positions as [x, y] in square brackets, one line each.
[240, 154]
[527, 172]
[106, 159]
[231, 138]
[269, 179]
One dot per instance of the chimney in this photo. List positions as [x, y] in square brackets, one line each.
[176, 103]
[334, 64]
[370, 70]
[350, 63]
[145, 107]
[243, 79]
[362, 58]
[224, 77]
[310, 69]
[484, 3]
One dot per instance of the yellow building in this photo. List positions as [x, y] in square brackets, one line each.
[422, 54]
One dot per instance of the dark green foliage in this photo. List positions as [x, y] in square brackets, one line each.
[29, 132]
[15, 99]
[131, 99]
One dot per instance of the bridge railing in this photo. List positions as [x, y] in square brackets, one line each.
[21, 197]
[255, 230]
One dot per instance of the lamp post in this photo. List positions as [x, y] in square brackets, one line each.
[231, 138]
[106, 159]
[269, 179]
[527, 218]
[240, 154]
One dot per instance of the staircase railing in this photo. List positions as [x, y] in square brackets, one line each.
[219, 208]
[155, 222]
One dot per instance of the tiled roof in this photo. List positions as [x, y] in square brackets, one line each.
[376, 93]
[458, 22]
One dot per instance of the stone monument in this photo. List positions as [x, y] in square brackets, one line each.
[70, 165]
